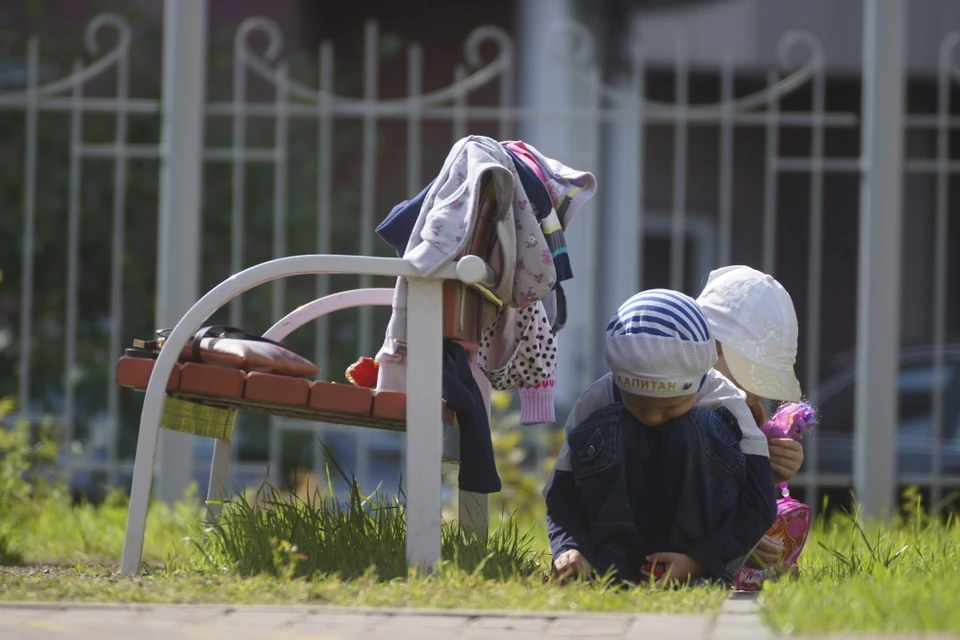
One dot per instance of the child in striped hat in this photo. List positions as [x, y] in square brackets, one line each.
[668, 472]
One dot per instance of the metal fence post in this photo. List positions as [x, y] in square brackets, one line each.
[181, 190]
[878, 295]
[554, 60]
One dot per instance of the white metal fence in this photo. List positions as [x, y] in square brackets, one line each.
[613, 125]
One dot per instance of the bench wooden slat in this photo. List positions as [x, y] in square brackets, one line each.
[210, 380]
[299, 398]
[451, 434]
[390, 405]
[331, 397]
[135, 373]
[274, 389]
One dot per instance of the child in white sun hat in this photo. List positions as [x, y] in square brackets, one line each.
[753, 321]
[656, 468]
[751, 316]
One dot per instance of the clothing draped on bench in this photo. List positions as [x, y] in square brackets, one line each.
[536, 199]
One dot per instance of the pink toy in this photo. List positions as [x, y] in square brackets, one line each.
[791, 420]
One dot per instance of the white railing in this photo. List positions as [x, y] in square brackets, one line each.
[618, 124]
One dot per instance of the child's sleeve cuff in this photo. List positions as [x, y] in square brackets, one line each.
[536, 403]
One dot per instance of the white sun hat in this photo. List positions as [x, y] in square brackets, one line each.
[751, 315]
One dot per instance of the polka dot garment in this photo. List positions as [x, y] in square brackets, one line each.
[519, 349]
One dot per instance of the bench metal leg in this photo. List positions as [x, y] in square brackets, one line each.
[139, 501]
[217, 488]
[475, 513]
[143, 463]
[424, 443]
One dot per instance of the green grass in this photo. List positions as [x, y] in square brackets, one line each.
[450, 588]
[53, 530]
[855, 577]
[302, 551]
[274, 547]
[296, 537]
[279, 548]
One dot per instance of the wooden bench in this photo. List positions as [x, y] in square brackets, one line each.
[455, 303]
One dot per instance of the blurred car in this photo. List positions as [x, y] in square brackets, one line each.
[87, 477]
[915, 438]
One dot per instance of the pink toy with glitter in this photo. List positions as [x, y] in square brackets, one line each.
[791, 420]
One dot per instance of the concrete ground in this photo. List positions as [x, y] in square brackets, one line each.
[739, 619]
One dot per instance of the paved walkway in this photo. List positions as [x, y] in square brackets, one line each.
[739, 620]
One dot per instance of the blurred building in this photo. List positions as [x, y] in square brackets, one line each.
[741, 178]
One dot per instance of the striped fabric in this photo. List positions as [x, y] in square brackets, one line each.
[661, 312]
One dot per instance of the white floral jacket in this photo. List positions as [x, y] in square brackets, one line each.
[446, 222]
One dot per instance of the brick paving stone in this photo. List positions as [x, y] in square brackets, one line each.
[663, 626]
[739, 619]
[589, 626]
[508, 626]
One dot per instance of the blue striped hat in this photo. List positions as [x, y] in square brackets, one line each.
[658, 344]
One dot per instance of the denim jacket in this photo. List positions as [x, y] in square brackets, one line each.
[641, 489]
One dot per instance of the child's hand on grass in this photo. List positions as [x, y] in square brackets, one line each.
[786, 456]
[571, 563]
[678, 567]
